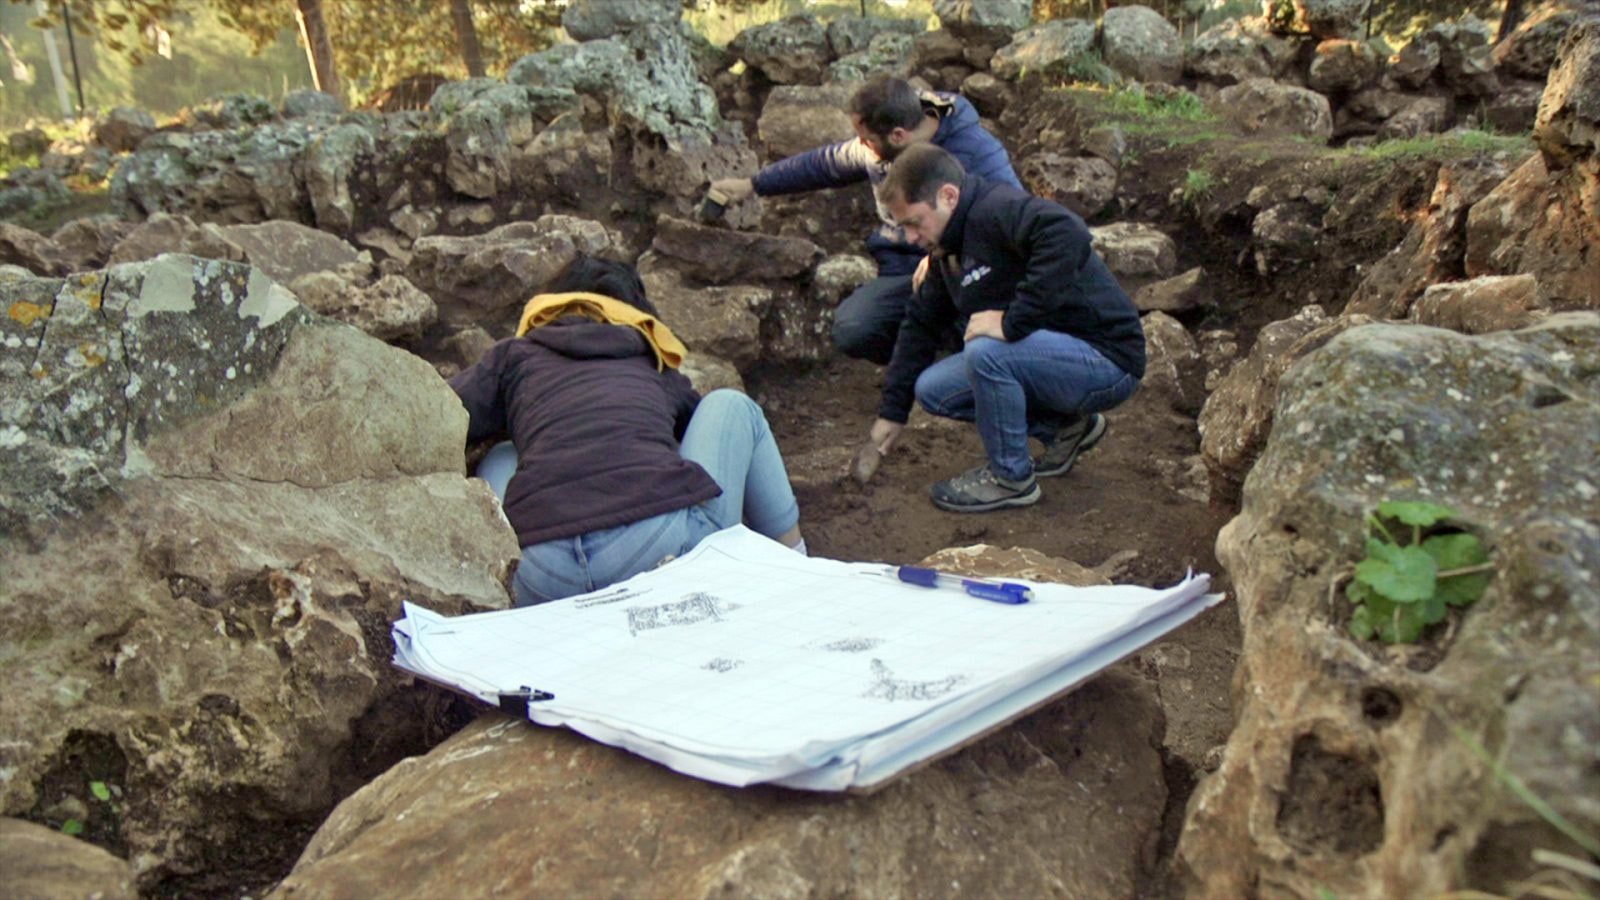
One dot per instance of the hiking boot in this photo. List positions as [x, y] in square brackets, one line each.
[1071, 440]
[980, 490]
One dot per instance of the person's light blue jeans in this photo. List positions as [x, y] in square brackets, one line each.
[728, 436]
[1017, 389]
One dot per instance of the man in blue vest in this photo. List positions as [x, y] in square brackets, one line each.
[1051, 339]
[889, 115]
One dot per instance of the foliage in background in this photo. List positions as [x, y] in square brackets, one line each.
[1197, 185]
[1403, 586]
[221, 46]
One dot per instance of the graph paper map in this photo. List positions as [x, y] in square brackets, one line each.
[744, 662]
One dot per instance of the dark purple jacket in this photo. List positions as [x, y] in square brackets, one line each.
[595, 425]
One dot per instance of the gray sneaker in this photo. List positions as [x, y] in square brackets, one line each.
[1070, 441]
[980, 490]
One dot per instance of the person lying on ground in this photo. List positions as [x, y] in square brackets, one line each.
[889, 115]
[615, 463]
[1051, 339]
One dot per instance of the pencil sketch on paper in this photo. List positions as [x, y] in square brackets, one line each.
[722, 664]
[887, 687]
[692, 609]
[851, 645]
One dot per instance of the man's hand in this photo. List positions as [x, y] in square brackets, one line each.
[919, 275]
[735, 189]
[885, 434]
[988, 323]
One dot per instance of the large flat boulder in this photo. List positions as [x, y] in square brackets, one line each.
[214, 502]
[1064, 802]
[1359, 769]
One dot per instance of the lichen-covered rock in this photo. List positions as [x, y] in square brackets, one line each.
[1356, 769]
[709, 373]
[589, 20]
[1323, 19]
[236, 110]
[1284, 235]
[1174, 379]
[1544, 222]
[1417, 61]
[330, 161]
[1481, 305]
[485, 279]
[307, 102]
[849, 34]
[722, 321]
[389, 309]
[213, 503]
[285, 251]
[1514, 108]
[234, 176]
[799, 117]
[1038, 48]
[555, 813]
[889, 53]
[27, 191]
[1179, 293]
[1140, 43]
[565, 161]
[648, 81]
[31, 250]
[1419, 116]
[983, 20]
[1237, 50]
[1342, 66]
[1568, 125]
[87, 243]
[163, 233]
[792, 50]
[1531, 50]
[121, 129]
[43, 863]
[1466, 63]
[719, 256]
[1238, 415]
[1134, 252]
[838, 276]
[1434, 248]
[1083, 184]
[1263, 106]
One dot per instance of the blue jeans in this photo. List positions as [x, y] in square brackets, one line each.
[1020, 389]
[728, 437]
[867, 322]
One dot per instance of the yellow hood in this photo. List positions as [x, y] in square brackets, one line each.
[546, 308]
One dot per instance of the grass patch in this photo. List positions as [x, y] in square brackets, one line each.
[1083, 68]
[1173, 120]
[1450, 145]
[1197, 185]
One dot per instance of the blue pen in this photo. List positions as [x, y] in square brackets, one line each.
[997, 591]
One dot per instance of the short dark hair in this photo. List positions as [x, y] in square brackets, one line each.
[919, 172]
[593, 275]
[885, 103]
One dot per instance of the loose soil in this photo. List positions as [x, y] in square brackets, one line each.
[1121, 504]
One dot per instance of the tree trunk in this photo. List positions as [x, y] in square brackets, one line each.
[461, 12]
[1511, 19]
[54, 57]
[319, 47]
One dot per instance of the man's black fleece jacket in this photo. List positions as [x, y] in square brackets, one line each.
[1008, 250]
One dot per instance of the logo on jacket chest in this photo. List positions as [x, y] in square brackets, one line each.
[973, 275]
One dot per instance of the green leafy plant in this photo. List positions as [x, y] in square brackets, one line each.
[1400, 588]
[1197, 184]
[100, 791]
[73, 827]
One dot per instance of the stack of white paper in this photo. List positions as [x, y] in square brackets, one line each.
[744, 662]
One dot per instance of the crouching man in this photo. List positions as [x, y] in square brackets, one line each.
[1050, 338]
